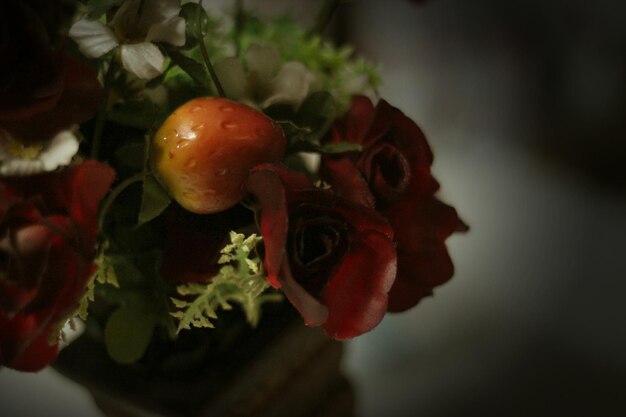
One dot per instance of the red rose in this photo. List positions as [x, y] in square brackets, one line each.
[395, 163]
[42, 90]
[334, 259]
[48, 231]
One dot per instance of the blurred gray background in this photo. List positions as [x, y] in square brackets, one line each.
[524, 103]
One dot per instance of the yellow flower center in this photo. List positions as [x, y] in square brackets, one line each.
[21, 151]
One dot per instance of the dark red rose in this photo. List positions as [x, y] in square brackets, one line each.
[42, 90]
[48, 231]
[334, 259]
[30, 78]
[395, 163]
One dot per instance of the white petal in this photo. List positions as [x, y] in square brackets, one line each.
[263, 62]
[125, 20]
[93, 38]
[171, 31]
[353, 83]
[21, 167]
[144, 60]
[153, 12]
[158, 95]
[59, 151]
[156, 11]
[291, 85]
[232, 77]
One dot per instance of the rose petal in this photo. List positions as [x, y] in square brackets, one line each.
[28, 349]
[406, 136]
[267, 187]
[346, 180]
[353, 126]
[29, 247]
[145, 60]
[312, 311]
[356, 295]
[422, 226]
[89, 182]
[94, 39]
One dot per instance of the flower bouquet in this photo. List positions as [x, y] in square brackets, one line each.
[174, 175]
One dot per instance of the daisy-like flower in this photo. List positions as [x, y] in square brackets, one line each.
[263, 79]
[17, 159]
[135, 28]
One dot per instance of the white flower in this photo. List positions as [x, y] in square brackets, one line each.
[135, 32]
[19, 160]
[266, 81]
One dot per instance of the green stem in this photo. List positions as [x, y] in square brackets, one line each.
[207, 61]
[209, 67]
[323, 16]
[102, 111]
[106, 205]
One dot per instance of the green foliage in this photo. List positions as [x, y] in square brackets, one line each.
[99, 7]
[129, 329]
[196, 19]
[241, 281]
[341, 73]
[105, 274]
[306, 127]
[139, 113]
[191, 67]
[128, 278]
[154, 200]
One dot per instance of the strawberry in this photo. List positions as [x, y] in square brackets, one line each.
[205, 149]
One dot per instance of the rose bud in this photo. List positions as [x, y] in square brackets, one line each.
[204, 150]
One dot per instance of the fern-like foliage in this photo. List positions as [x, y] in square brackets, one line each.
[241, 280]
[105, 274]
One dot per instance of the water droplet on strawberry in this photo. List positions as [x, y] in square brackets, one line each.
[229, 125]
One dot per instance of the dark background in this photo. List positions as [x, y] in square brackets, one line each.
[524, 103]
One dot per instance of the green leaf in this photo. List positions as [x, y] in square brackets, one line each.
[193, 68]
[154, 200]
[131, 155]
[129, 330]
[140, 114]
[317, 113]
[240, 281]
[341, 147]
[196, 20]
[99, 7]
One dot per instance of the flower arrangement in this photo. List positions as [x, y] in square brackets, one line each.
[161, 163]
